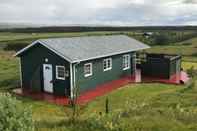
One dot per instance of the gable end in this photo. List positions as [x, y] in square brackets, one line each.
[48, 47]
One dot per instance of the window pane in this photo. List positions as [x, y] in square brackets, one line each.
[60, 72]
[126, 61]
[107, 64]
[87, 69]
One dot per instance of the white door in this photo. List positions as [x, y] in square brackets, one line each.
[48, 77]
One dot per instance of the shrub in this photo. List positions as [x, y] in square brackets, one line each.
[194, 54]
[15, 46]
[13, 115]
[161, 39]
[192, 72]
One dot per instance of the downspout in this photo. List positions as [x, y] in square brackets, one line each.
[73, 81]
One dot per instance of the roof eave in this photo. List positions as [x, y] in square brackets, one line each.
[40, 42]
[101, 56]
[24, 49]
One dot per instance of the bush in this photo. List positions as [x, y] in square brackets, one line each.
[15, 46]
[162, 39]
[13, 115]
[192, 72]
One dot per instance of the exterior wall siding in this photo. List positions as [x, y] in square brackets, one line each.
[156, 68]
[32, 73]
[98, 75]
[160, 67]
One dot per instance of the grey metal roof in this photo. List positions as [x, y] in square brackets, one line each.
[78, 49]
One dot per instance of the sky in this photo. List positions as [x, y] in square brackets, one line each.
[100, 12]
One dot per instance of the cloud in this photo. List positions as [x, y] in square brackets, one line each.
[190, 1]
[102, 12]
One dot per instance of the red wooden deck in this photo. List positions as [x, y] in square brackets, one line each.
[102, 89]
[179, 78]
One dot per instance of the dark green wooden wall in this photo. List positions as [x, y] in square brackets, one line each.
[156, 68]
[160, 67]
[99, 76]
[32, 63]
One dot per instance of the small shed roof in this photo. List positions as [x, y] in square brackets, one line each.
[76, 49]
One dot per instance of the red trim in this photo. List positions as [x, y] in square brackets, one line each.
[103, 89]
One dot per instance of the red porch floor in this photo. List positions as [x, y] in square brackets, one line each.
[179, 78]
[102, 89]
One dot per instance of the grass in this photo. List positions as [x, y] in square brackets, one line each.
[162, 110]
[187, 65]
[145, 107]
[8, 37]
[187, 51]
[9, 71]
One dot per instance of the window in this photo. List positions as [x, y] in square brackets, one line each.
[126, 62]
[60, 72]
[88, 69]
[107, 64]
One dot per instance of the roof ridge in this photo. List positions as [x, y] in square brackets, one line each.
[85, 36]
[75, 49]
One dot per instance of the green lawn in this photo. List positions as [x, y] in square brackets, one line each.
[139, 107]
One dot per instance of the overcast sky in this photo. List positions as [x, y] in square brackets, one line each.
[100, 12]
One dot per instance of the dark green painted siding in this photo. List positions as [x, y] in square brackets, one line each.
[32, 63]
[99, 76]
[156, 68]
[161, 67]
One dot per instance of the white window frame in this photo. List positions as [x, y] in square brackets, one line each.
[108, 67]
[126, 60]
[57, 77]
[86, 75]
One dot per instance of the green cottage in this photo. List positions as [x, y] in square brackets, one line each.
[59, 65]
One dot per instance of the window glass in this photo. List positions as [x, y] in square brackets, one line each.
[126, 62]
[107, 64]
[88, 69]
[60, 72]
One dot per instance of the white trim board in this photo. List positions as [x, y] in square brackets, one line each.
[109, 55]
[20, 69]
[71, 81]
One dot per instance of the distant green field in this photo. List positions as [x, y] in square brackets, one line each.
[189, 52]
[7, 37]
[16, 41]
